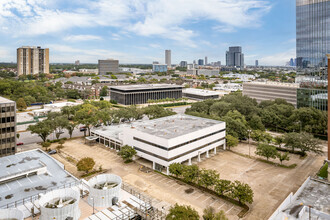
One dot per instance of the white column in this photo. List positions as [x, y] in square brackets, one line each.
[224, 146]
[207, 154]
[215, 150]
[153, 165]
[199, 157]
[167, 171]
[189, 161]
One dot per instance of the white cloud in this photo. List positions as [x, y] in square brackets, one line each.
[82, 38]
[160, 18]
[279, 58]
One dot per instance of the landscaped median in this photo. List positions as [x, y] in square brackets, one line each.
[209, 181]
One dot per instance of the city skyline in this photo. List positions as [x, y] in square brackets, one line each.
[140, 31]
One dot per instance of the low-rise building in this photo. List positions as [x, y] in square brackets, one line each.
[7, 127]
[271, 90]
[229, 87]
[199, 94]
[140, 94]
[167, 140]
[205, 72]
[107, 66]
[159, 68]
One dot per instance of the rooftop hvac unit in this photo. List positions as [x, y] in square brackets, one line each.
[11, 214]
[103, 189]
[61, 204]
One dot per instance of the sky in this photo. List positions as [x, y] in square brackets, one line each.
[138, 31]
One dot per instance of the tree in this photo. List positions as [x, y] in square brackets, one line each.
[104, 91]
[127, 153]
[43, 129]
[190, 173]
[85, 164]
[255, 123]
[266, 150]
[176, 169]
[291, 140]
[210, 214]
[87, 116]
[324, 171]
[303, 141]
[155, 111]
[208, 178]
[223, 187]
[261, 136]
[231, 141]
[59, 122]
[21, 105]
[236, 124]
[283, 156]
[182, 212]
[46, 145]
[70, 128]
[279, 141]
[242, 192]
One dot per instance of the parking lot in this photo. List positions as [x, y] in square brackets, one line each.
[165, 191]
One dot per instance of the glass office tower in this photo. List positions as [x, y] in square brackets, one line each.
[313, 43]
[313, 36]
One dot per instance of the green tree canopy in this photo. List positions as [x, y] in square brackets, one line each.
[266, 150]
[182, 212]
[85, 164]
[127, 153]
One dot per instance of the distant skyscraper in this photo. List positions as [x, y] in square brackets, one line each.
[109, 65]
[257, 63]
[183, 64]
[155, 62]
[77, 63]
[168, 58]
[200, 62]
[32, 60]
[313, 35]
[194, 62]
[292, 63]
[205, 60]
[235, 57]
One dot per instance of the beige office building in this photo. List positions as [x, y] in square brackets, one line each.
[271, 90]
[32, 60]
[7, 127]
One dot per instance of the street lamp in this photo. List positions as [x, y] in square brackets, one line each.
[249, 140]
[93, 205]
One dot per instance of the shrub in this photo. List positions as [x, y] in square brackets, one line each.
[323, 171]
[46, 145]
[182, 212]
[127, 153]
[86, 164]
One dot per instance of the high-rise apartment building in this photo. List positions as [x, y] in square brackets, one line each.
[32, 60]
[7, 127]
[235, 57]
[257, 63]
[108, 66]
[200, 62]
[183, 64]
[313, 36]
[205, 60]
[168, 58]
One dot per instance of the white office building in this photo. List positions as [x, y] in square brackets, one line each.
[167, 140]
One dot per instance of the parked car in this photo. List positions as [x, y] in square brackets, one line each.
[19, 143]
[52, 152]
[82, 128]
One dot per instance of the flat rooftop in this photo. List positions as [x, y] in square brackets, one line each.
[111, 131]
[145, 87]
[174, 126]
[4, 100]
[315, 194]
[200, 92]
[293, 85]
[29, 186]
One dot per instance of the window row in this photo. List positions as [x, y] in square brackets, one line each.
[7, 109]
[8, 119]
[7, 151]
[7, 140]
[7, 130]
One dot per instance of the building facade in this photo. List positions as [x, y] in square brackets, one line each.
[312, 97]
[199, 94]
[109, 65]
[206, 61]
[32, 60]
[140, 94]
[167, 140]
[183, 64]
[7, 127]
[201, 62]
[313, 36]
[270, 91]
[235, 57]
[159, 68]
[168, 61]
[257, 63]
